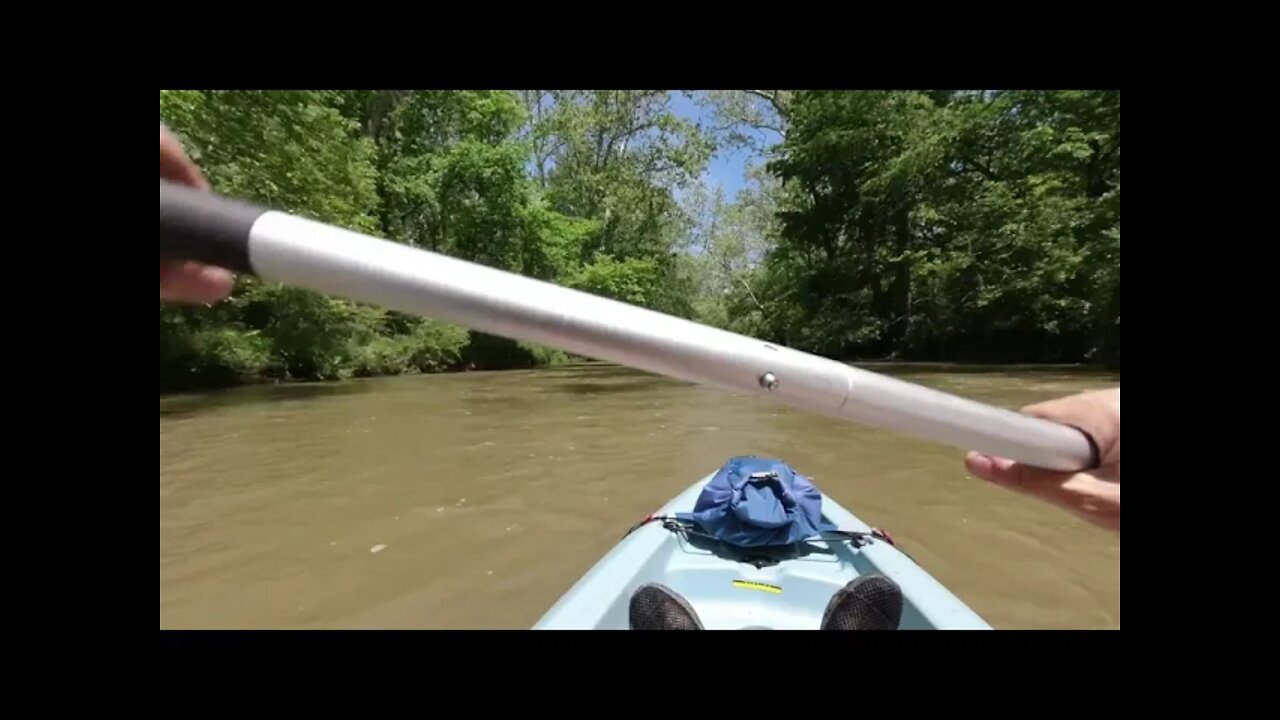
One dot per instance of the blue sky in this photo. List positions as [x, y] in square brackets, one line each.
[728, 167]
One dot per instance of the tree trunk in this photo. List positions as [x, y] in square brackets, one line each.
[901, 280]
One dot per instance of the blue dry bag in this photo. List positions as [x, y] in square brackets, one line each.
[758, 502]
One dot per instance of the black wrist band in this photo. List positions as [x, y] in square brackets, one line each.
[1095, 454]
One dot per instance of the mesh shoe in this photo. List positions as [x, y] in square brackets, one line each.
[658, 607]
[868, 602]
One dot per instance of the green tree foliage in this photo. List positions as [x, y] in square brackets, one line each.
[294, 151]
[940, 225]
[616, 158]
[727, 242]
[575, 188]
[973, 225]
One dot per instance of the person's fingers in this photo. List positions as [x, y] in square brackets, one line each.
[1095, 498]
[193, 282]
[175, 165]
[188, 281]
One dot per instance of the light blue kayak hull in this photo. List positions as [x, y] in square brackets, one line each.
[730, 593]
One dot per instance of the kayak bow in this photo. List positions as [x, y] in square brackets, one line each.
[778, 588]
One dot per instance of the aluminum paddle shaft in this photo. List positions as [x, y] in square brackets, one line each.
[282, 247]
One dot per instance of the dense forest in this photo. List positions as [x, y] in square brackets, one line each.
[923, 225]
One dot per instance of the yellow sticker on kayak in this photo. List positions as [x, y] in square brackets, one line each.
[764, 587]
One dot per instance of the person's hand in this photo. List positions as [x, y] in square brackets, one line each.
[1093, 495]
[186, 281]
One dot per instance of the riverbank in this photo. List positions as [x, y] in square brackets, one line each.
[231, 357]
[267, 388]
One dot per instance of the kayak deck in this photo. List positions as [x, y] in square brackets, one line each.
[730, 588]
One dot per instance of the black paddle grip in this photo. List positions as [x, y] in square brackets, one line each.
[206, 227]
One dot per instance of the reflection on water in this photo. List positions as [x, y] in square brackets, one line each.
[185, 405]
[476, 499]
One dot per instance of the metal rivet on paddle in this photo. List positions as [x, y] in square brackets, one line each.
[768, 381]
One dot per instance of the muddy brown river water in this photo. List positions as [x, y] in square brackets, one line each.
[475, 500]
